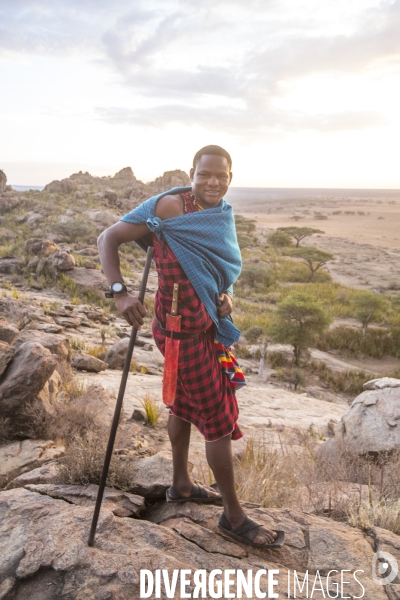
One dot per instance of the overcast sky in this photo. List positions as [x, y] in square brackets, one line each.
[302, 93]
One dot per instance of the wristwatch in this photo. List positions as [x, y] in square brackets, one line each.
[116, 288]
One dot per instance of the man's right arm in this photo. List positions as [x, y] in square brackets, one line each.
[108, 243]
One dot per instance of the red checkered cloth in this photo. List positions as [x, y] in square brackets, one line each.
[205, 393]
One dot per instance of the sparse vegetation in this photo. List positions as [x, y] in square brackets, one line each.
[151, 409]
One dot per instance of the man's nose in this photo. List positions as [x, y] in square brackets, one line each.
[213, 180]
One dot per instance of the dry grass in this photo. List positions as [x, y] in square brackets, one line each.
[361, 491]
[151, 409]
[84, 460]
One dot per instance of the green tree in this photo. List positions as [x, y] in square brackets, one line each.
[258, 335]
[257, 276]
[369, 306]
[299, 233]
[312, 257]
[76, 230]
[279, 239]
[298, 320]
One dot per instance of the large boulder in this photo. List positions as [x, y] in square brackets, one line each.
[86, 362]
[169, 180]
[8, 203]
[65, 186]
[39, 246]
[7, 236]
[153, 475]
[372, 423]
[55, 343]
[48, 472]
[88, 279]
[101, 218]
[10, 265]
[125, 174]
[3, 181]
[6, 354]
[25, 376]
[61, 260]
[8, 333]
[15, 312]
[20, 457]
[44, 552]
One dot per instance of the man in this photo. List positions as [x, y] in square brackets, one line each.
[195, 245]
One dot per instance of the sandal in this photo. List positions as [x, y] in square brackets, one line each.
[198, 494]
[247, 532]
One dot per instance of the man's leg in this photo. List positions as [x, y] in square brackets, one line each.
[219, 457]
[179, 435]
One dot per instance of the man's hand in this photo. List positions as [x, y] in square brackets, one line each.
[225, 309]
[131, 309]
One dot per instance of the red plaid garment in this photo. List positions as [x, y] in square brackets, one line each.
[205, 396]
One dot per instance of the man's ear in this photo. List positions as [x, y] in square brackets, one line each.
[191, 173]
[230, 177]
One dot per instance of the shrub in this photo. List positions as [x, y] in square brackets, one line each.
[151, 409]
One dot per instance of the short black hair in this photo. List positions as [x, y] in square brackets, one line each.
[212, 149]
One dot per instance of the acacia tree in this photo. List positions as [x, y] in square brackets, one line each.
[298, 320]
[258, 335]
[279, 239]
[312, 257]
[369, 306]
[299, 233]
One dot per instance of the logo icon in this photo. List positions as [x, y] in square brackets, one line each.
[387, 568]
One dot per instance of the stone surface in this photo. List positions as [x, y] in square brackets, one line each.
[6, 354]
[19, 457]
[99, 403]
[61, 260]
[121, 504]
[55, 343]
[46, 473]
[372, 423]
[25, 377]
[41, 247]
[7, 236]
[8, 333]
[43, 541]
[86, 362]
[15, 312]
[115, 355]
[382, 383]
[89, 279]
[153, 475]
[10, 265]
[101, 218]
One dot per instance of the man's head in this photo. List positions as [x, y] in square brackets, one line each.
[211, 175]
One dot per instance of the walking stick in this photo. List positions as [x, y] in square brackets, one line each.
[118, 405]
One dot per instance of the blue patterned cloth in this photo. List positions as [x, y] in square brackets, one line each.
[205, 245]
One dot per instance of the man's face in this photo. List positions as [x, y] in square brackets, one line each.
[210, 179]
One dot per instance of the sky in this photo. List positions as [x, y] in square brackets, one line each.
[302, 93]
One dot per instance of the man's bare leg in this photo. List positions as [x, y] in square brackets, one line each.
[179, 435]
[219, 457]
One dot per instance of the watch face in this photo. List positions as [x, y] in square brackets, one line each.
[117, 287]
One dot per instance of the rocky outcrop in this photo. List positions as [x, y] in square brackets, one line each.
[20, 457]
[25, 376]
[61, 260]
[10, 265]
[57, 344]
[88, 279]
[7, 236]
[44, 552]
[170, 179]
[102, 218]
[6, 354]
[372, 423]
[85, 362]
[8, 333]
[3, 181]
[65, 186]
[40, 247]
[153, 475]
[8, 202]
[15, 312]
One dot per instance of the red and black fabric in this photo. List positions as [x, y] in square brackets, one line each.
[205, 395]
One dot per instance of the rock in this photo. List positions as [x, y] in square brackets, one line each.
[65, 186]
[6, 354]
[372, 423]
[43, 541]
[7, 236]
[33, 217]
[10, 265]
[61, 260]
[101, 218]
[111, 196]
[382, 383]
[170, 179]
[89, 363]
[125, 174]
[138, 416]
[68, 322]
[3, 181]
[25, 377]
[89, 264]
[8, 333]
[38, 246]
[8, 203]
[87, 252]
[15, 312]
[46, 473]
[56, 344]
[115, 356]
[99, 403]
[89, 279]
[48, 397]
[153, 475]
[19, 457]
[121, 504]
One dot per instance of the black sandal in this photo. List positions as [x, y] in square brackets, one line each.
[197, 494]
[247, 532]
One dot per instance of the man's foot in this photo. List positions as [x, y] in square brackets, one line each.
[253, 534]
[197, 493]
